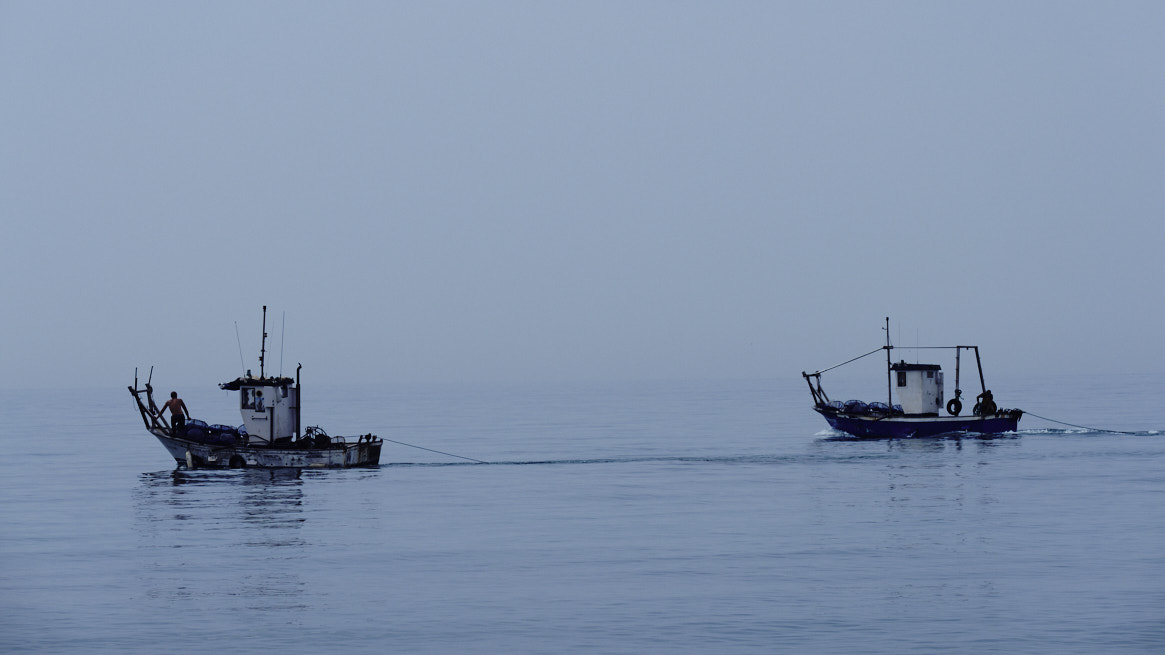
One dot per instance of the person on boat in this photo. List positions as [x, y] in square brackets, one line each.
[986, 404]
[258, 401]
[178, 412]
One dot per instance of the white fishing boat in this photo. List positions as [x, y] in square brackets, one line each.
[270, 435]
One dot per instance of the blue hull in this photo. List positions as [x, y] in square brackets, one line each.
[897, 427]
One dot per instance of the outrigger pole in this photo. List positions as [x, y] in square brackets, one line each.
[978, 362]
[819, 395]
[148, 409]
[958, 389]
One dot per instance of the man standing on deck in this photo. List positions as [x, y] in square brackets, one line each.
[178, 412]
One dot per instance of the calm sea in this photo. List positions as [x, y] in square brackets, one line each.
[695, 517]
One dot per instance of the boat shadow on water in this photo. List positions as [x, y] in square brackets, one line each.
[182, 476]
[837, 436]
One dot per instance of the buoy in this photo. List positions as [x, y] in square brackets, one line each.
[189, 460]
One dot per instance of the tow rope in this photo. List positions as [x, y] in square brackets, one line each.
[1082, 427]
[434, 451]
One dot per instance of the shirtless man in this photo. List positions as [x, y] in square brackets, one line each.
[178, 412]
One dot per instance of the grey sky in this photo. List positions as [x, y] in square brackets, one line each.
[546, 190]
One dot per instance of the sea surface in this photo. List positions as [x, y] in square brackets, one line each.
[645, 517]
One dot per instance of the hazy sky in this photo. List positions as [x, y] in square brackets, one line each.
[552, 190]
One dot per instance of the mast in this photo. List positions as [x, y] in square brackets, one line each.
[263, 343]
[889, 389]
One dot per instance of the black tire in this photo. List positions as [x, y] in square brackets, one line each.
[954, 407]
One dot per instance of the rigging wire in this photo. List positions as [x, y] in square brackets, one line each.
[434, 451]
[824, 370]
[1082, 427]
[242, 364]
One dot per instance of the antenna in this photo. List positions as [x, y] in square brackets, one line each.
[263, 343]
[282, 335]
[242, 364]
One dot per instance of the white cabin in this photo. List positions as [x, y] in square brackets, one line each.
[269, 406]
[919, 387]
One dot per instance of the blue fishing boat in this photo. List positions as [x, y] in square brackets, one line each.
[918, 412]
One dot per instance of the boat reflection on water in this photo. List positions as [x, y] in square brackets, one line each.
[245, 528]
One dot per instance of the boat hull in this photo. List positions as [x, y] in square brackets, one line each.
[901, 427]
[194, 454]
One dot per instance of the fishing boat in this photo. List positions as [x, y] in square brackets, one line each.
[918, 412]
[270, 435]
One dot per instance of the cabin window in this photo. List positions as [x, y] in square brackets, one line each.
[902, 378]
[930, 375]
[253, 399]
